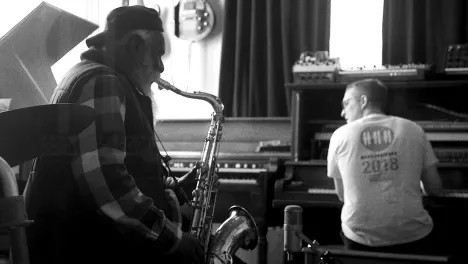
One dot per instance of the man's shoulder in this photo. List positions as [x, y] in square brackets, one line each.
[408, 124]
[89, 67]
[87, 70]
[341, 132]
[86, 76]
[349, 127]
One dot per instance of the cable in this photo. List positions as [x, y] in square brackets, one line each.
[446, 111]
[189, 58]
[165, 160]
[171, 61]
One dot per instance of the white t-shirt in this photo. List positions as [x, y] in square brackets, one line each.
[380, 160]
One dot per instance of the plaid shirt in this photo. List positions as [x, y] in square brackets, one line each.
[101, 173]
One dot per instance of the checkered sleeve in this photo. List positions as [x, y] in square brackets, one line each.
[102, 175]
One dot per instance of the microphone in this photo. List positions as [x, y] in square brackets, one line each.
[292, 230]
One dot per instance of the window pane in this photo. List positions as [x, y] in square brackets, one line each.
[356, 32]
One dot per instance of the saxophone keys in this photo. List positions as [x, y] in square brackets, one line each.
[215, 181]
[196, 193]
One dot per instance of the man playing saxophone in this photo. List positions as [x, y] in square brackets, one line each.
[104, 199]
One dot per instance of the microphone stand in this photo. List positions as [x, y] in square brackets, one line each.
[312, 247]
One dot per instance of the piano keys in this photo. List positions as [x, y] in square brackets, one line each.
[447, 193]
[441, 136]
[457, 71]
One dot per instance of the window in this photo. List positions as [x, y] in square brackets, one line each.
[356, 32]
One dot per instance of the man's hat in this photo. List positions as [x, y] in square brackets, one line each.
[125, 19]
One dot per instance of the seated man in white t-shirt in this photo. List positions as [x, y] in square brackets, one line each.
[378, 162]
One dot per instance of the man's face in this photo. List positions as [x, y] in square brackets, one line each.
[351, 105]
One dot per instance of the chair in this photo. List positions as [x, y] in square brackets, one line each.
[13, 217]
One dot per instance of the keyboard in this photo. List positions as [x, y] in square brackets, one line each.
[455, 194]
[447, 193]
[238, 181]
[431, 136]
[230, 176]
[390, 73]
[321, 191]
[456, 71]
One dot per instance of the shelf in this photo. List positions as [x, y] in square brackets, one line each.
[390, 85]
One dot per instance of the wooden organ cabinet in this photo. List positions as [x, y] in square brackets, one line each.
[246, 172]
[440, 107]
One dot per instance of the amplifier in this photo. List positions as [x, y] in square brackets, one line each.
[243, 180]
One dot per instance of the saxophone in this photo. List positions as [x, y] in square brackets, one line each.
[239, 230]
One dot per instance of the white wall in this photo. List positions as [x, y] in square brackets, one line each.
[189, 66]
[204, 62]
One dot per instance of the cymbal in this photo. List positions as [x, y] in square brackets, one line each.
[26, 133]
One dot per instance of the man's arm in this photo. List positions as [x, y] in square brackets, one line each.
[430, 178]
[333, 171]
[102, 175]
[339, 188]
[431, 182]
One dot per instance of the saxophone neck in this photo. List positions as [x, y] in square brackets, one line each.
[212, 99]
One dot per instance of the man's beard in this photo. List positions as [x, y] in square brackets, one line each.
[154, 106]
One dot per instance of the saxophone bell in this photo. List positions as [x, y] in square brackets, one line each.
[238, 231]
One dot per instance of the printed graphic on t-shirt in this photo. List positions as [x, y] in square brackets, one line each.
[377, 138]
[377, 164]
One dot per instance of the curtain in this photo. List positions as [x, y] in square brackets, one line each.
[419, 31]
[261, 41]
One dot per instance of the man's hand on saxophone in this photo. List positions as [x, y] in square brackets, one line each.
[190, 177]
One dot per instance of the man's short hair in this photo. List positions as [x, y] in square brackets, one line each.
[375, 91]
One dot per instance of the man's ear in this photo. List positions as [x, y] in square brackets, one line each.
[136, 45]
[363, 101]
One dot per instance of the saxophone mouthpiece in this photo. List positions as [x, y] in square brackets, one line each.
[162, 84]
